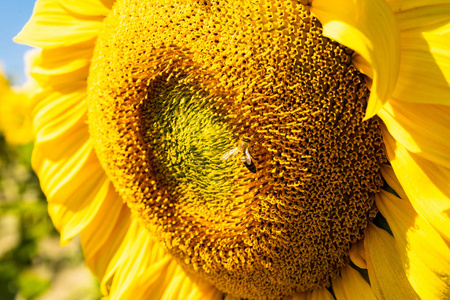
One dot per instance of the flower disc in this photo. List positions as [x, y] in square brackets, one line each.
[175, 84]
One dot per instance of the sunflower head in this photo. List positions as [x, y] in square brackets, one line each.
[171, 92]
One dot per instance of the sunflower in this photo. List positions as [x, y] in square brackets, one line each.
[248, 149]
[15, 106]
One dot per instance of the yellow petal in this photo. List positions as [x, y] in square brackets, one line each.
[88, 7]
[75, 187]
[422, 129]
[316, 294]
[135, 257]
[58, 113]
[101, 238]
[351, 285]
[141, 269]
[358, 255]
[387, 277]
[52, 26]
[76, 77]
[426, 184]
[404, 5]
[319, 294]
[159, 279]
[183, 287]
[391, 179]
[364, 67]
[123, 254]
[171, 282]
[65, 161]
[425, 52]
[370, 29]
[63, 62]
[424, 253]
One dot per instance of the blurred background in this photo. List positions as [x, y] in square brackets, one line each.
[32, 263]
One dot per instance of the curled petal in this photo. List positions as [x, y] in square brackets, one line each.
[370, 29]
[358, 255]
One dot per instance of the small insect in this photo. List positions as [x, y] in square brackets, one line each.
[241, 149]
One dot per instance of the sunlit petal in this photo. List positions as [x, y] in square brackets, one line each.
[370, 29]
[425, 255]
[52, 26]
[387, 277]
[101, 238]
[63, 65]
[425, 183]
[425, 65]
[143, 270]
[421, 128]
[88, 7]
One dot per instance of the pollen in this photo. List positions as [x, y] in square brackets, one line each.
[175, 84]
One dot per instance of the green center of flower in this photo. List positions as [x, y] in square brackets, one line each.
[174, 86]
[185, 139]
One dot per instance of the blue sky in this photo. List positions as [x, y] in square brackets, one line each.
[13, 15]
